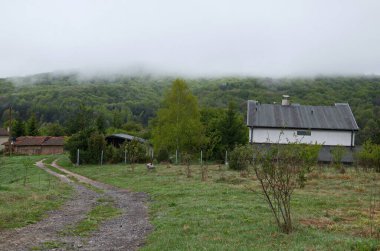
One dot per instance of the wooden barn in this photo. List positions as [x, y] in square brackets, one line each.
[285, 123]
[35, 145]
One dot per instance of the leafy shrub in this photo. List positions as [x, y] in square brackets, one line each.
[113, 155]
[136, 151]
[240, 157]
[90, 144]
[337, 153]
[369, 156]
[163, 155]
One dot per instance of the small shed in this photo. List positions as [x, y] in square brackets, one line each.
[118, 139]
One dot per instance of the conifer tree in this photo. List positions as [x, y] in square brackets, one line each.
[18, 128]
[232, 129]
[32, 126]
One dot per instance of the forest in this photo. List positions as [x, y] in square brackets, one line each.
[61, 104]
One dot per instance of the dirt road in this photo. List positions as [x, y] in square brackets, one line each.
[124, 232]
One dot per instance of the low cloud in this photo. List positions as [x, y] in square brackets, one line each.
[193, 38]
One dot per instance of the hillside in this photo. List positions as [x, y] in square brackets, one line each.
[121, 99]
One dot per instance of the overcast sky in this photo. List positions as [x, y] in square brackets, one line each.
[197, 37]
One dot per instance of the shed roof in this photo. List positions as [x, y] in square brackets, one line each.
[337, 117]
[126, 137]
[4, 132]
[39, 141]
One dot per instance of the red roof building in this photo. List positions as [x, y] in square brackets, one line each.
[35, 145]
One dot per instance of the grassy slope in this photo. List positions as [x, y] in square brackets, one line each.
[24, 204]
[331, 213]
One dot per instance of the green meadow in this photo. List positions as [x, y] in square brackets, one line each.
[27, 192]
[228, 212]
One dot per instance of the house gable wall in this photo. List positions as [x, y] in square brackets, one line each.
[284, 136]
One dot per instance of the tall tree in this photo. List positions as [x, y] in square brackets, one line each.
[101, 123]
[82, 119]
[178, 125]
[32, 126]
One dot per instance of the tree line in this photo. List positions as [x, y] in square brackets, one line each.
[128, 103]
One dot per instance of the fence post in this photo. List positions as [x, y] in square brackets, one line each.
[201, 157]
[101, 158]
[125, 157]
[176, 157]
[226, 161]
[78, 157]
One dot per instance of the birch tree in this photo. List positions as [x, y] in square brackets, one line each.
[177, 126]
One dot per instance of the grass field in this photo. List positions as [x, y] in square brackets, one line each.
[26, 192]
[330, 213]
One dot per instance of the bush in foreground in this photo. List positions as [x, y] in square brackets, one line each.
[281, 169]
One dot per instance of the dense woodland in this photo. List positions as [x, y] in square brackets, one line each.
[63, 104]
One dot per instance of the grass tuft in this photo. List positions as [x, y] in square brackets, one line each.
[105, 211]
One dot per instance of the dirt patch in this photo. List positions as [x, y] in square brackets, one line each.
[320, 223]
[125, 232]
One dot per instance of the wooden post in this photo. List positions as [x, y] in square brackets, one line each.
[226, 161]
[101, 158]
[125, 156]
[176, 157]
[78, 157]
[201, 158]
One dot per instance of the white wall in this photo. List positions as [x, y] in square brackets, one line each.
[324, 137]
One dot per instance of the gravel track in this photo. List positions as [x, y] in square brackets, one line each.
[124, 232]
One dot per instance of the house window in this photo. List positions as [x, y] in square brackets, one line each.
[304, 133]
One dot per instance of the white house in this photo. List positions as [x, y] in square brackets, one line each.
[285, 122]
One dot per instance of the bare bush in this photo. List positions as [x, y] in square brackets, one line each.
[281, 169]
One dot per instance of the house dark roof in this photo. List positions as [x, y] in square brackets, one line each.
[39, 141]
[337, 117]
[125, 137]
[3, 132]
